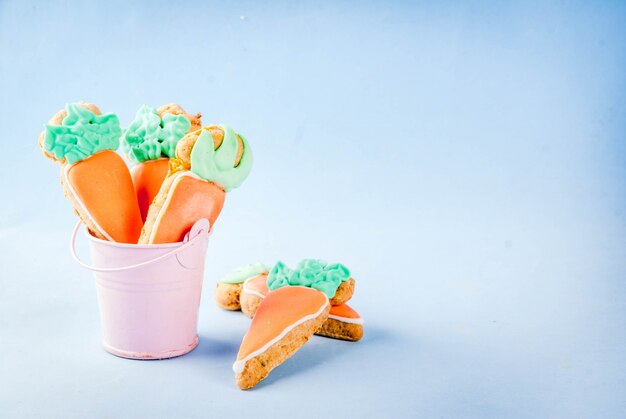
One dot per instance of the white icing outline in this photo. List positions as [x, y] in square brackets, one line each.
[346, 319]
[350, 320]
[239, 365]
[83, 208]
[159, 216]
[252, 292]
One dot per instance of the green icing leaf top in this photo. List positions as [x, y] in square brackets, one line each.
[151, 137]
[243, 273]
[313, 273]
[81, 134]
[218, 166]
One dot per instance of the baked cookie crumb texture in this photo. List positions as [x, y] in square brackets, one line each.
[343, 323]
[284, 321]
[229, 289]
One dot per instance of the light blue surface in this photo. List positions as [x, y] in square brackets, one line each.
[467, 162]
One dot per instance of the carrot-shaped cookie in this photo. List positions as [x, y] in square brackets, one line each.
[229, 287]
[246, 287]
[209, 162]
[285, 320]
[149, 142]
[343, 321]
[94, 177]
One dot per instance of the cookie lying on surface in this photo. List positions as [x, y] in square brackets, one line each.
[229, 288]
[332, 279]
[342, 323]
[209, 162]
[94, 177]
[284, 321]
[149, 142]
[246, 288]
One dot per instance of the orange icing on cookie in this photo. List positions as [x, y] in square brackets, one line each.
[280, 310]
[103, 185]
[256, 285]
[344, 310]
[189, 199]
[148, 178]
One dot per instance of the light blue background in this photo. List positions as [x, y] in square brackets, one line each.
[466, 161]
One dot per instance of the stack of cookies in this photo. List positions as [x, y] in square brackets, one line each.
[288, 306]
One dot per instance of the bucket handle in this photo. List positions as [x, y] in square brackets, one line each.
[191, 241]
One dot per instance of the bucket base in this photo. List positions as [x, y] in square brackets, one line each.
[151, 355]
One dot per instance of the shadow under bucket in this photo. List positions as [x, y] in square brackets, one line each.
[149, 295]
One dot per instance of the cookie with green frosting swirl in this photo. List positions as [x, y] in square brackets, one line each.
[226, 164]
[79, 131]
[217, 154]
[333, 279]
[151, 136]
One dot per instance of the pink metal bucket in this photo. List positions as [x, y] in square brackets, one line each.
[149, 295]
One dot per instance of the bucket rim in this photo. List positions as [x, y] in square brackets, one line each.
[200, 229]
[130, 245]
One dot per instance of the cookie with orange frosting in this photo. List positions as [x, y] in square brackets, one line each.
[149, 142]
[245, 288]
[229, 288]
[209, 163]
[284, 321]
[94, 177]
[343, 323]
